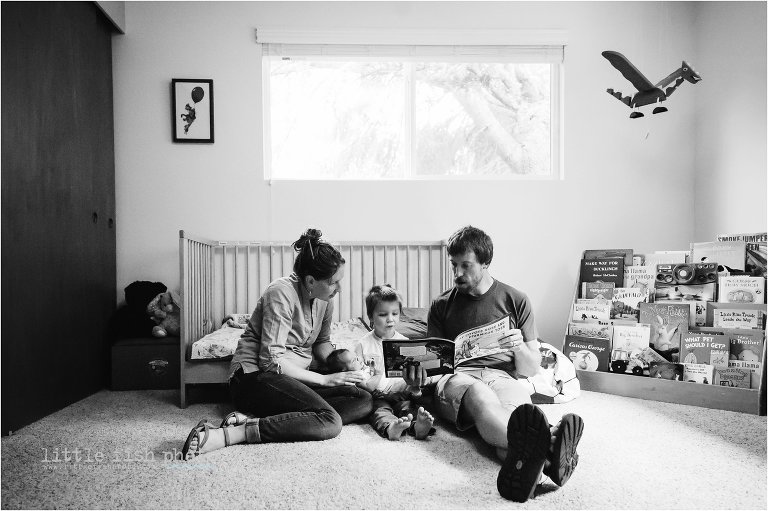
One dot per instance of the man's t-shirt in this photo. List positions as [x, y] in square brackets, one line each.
[452, 313]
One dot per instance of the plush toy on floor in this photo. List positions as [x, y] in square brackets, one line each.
[165, 310]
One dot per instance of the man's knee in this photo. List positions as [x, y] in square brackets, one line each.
[478, 398]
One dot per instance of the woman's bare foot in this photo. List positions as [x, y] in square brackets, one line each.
[395, 430]
[423, 424]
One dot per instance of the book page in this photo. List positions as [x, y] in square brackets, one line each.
[485, 340]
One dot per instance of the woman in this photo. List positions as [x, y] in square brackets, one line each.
[279, 399]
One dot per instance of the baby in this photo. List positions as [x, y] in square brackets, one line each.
[387, 406]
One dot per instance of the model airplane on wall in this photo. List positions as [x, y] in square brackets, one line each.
[647, 93]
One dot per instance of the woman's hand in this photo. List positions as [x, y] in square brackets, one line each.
[344, 378]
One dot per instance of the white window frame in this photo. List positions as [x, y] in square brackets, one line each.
[325, 42]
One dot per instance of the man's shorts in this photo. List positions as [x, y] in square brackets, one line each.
[450, 390]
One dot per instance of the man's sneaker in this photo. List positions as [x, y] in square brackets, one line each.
[528, 441]
[563, 459]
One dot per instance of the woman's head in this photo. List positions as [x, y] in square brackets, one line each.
[318, 264]
[383, 305]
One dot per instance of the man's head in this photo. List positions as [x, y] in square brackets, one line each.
[343, 360]
[470, 251]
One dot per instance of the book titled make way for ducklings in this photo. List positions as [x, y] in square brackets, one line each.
[443, 356]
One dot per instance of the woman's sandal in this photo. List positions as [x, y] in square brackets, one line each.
[235, 419]
[202, 427]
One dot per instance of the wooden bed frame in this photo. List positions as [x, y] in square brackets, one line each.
[225, 277]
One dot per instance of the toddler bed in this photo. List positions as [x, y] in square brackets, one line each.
[221, 281]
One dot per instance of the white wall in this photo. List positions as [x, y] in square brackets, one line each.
[731, 134]
[628, 183]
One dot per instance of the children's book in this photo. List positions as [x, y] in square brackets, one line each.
[698, 311]
[640, 277]
[705, 348]
[741, 289]
[625, 253]
[732, 377]
[599, 290]
[757, 250]
[626, 300]
[594, 330]
[668, 322]
[725, 321]
[442, 356]
[737, 318]
[607, 269]
[698, 373]
[591, 311]
[746, 351]
[627, 347]
[587, 353]
[731, 254]
[592, 301]
[666, 370]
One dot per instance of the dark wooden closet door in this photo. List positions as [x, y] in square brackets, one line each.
[58, 203]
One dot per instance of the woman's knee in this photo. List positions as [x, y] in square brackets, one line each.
[330, 424]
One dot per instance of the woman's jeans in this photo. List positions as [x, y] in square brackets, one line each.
[287, 410]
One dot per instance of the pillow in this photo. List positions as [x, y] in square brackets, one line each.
[345, 333]
[413, 322]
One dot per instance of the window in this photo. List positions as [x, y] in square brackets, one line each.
[341, 111]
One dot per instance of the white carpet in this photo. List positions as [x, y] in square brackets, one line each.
[634, 455]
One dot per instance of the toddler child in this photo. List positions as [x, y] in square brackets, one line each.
[395, 409]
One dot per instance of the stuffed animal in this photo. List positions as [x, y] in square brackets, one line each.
[165, 311]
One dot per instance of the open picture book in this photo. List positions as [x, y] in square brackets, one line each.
[442, 356]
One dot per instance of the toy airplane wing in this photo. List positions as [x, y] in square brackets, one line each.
[628, 70]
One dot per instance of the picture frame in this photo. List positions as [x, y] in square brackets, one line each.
[192, 110]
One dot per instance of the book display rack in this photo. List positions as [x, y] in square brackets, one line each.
[663, 328]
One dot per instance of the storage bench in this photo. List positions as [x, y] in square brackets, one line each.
[142, 363]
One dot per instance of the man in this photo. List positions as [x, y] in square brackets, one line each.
[485, 392]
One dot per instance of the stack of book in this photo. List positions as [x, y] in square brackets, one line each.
[677, 315]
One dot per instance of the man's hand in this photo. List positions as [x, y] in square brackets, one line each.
[512, 341]
[344, 378]
[414, 375]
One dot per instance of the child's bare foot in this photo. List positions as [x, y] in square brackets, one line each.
[423, 424]
[395, 430]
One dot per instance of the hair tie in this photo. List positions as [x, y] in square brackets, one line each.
[309, 243]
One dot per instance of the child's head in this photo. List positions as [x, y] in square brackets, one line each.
[343, 360]
[383, 305]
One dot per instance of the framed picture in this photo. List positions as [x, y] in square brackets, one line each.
[192, 110]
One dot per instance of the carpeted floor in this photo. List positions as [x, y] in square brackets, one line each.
[634, 455]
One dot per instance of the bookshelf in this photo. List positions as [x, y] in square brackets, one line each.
[751, 401]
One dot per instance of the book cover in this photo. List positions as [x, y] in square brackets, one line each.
[641, 277]
[627, 347]
[592, 330]
[681, 292]
[705, 348]
[698, 373]
[626, 302]
[666, 370]
[698, 311]
[638, 260]
[741, 289]
[737, 318]
[592, 301]
[587, 353]
[625, 253]
[715, 306]
[599, 290]
[757, 250]
[732, 377]
[591, 311]
[607, 269]
[668, 322]
[731, 254]
[745, 352]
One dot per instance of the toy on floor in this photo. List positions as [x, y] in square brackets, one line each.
[647, 93]
[164, 309]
